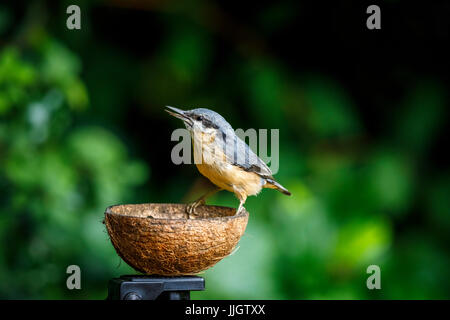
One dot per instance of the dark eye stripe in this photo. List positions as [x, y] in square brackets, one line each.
[209, 124]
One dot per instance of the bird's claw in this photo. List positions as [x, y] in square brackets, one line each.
[238, 211]
[190, 209]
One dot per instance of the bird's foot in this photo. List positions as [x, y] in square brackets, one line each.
[239, 210]
[190, 209]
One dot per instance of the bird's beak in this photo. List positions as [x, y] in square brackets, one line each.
[180, 114]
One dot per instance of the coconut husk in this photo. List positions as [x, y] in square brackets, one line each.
[161, 239]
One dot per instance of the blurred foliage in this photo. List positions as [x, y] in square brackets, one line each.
[82, 127]
[56, 176]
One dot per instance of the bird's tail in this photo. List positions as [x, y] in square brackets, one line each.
[272, 184]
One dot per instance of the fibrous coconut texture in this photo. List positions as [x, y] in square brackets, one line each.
[161, 239]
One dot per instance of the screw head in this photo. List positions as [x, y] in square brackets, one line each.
[132, 296]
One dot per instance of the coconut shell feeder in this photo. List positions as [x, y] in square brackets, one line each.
[161, 239]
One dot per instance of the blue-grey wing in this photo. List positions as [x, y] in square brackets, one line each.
[239, 154]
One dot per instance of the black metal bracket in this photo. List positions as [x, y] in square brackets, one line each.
[134, 287]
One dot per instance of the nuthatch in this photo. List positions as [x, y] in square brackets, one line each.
[222, 157]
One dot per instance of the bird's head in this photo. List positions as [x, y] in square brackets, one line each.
[200, 120]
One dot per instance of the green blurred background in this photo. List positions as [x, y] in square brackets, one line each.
[363, 134]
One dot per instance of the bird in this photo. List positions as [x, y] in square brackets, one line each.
[222, 157]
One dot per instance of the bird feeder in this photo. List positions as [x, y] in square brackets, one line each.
[162, 239]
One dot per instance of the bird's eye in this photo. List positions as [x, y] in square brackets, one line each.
[199, 118]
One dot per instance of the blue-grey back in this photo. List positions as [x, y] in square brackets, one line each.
[237, 151]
